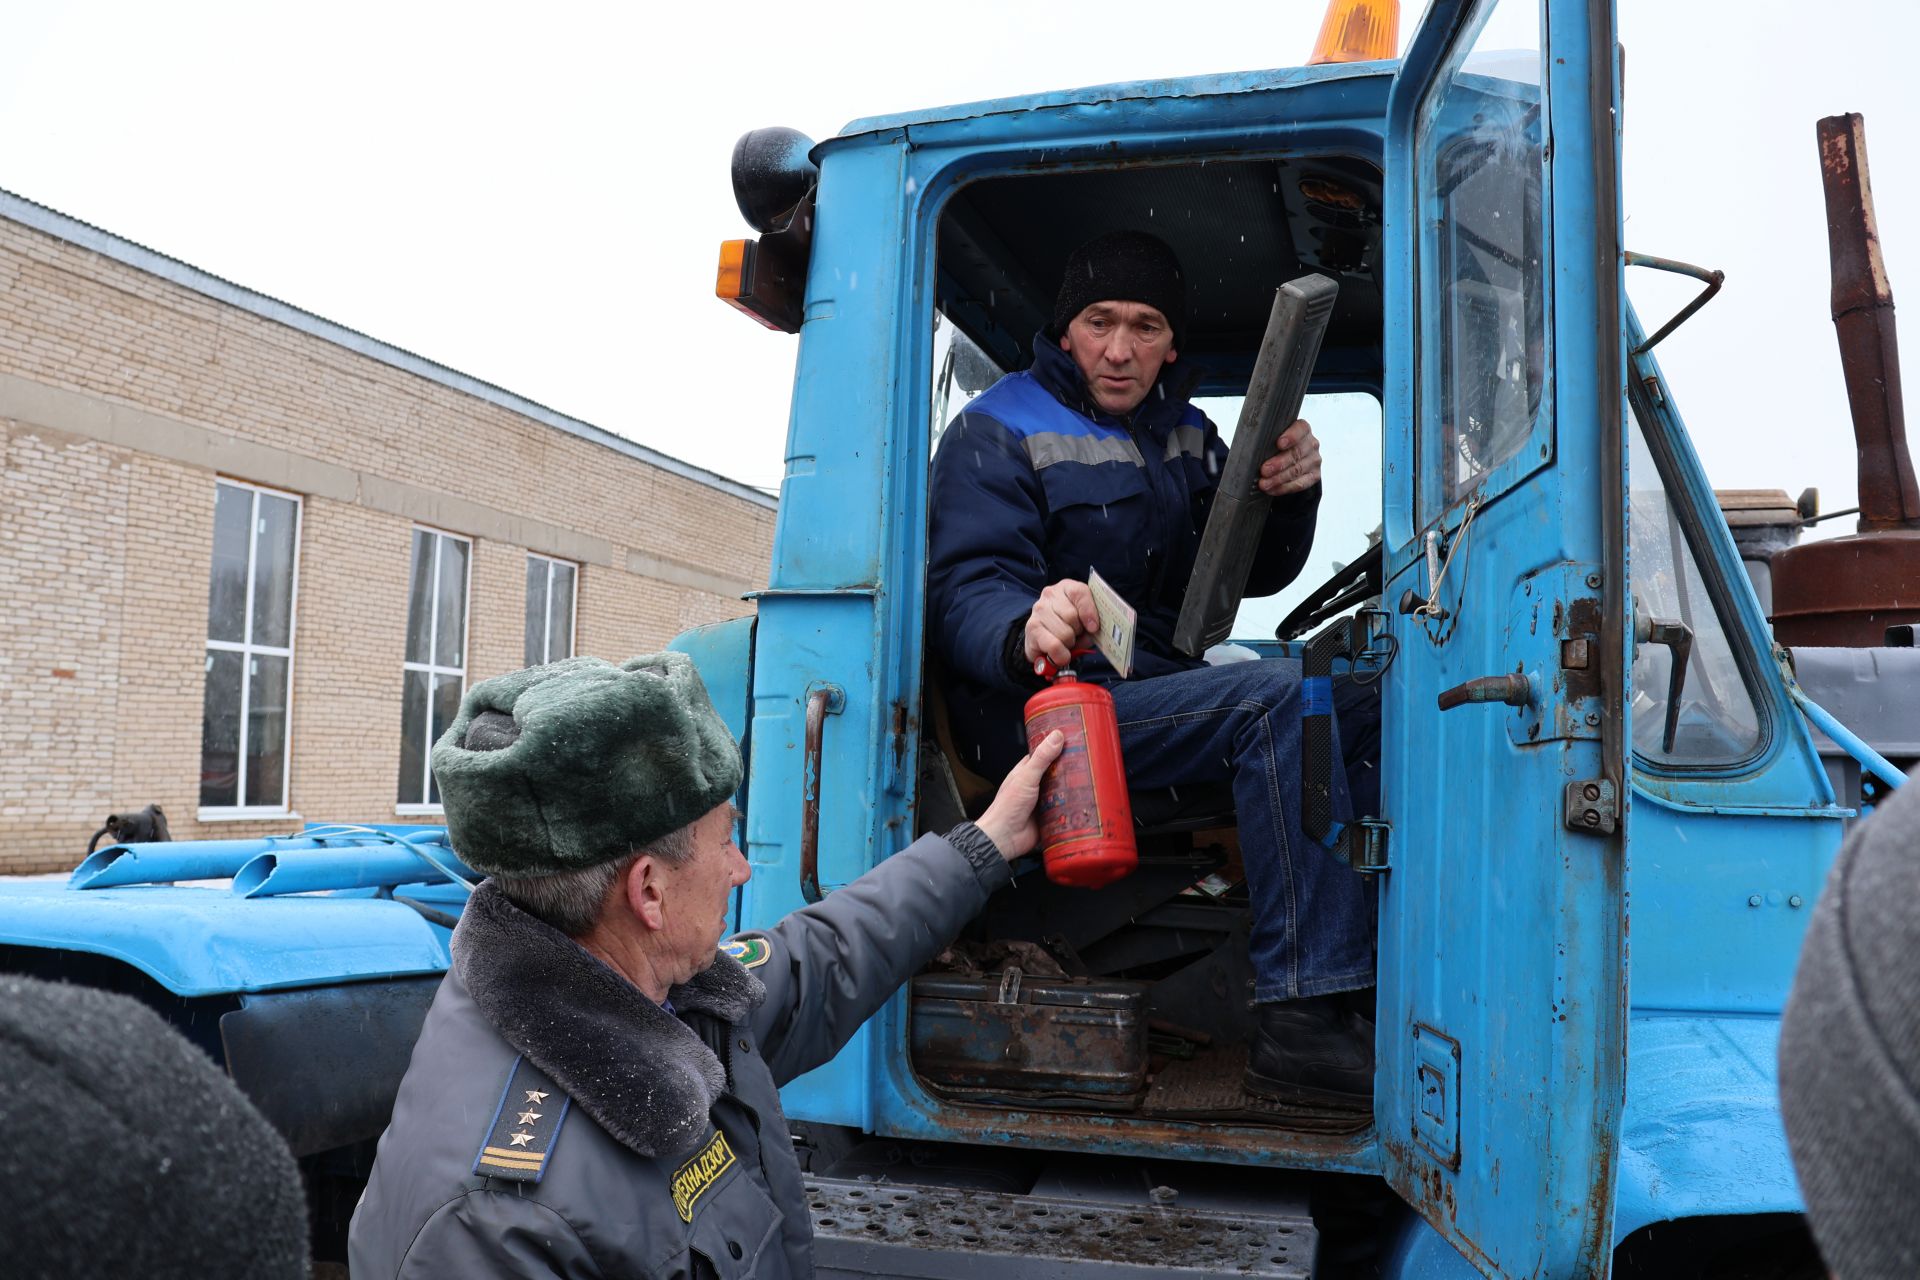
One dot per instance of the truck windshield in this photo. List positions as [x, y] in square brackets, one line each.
[1347, 424]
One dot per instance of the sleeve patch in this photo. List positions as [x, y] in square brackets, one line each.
[699, 1175]
[752, 951]
[525, 1127]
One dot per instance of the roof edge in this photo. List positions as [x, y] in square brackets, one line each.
[1195, 86]
[30, 213]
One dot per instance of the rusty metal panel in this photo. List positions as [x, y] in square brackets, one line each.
[1560, 602]
[1846, 591]
[943, 1233]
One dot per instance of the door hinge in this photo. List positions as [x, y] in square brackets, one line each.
[1592, 805]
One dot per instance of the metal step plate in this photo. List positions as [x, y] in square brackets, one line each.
[932, 1233]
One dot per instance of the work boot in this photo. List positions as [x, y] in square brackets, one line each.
[1311, 1052]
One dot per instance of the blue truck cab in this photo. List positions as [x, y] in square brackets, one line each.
[1556, 1094]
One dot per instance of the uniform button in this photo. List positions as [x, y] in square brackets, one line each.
[733, 1247]
[745, 1047]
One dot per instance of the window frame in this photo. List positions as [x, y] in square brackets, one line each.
[431, 670]
[573, 610]
[248, 650]
[1433, 508]
[1647, 399]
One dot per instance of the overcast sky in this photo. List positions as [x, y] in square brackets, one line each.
[538, 201]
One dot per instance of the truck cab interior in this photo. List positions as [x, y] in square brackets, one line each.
[1130, 1003]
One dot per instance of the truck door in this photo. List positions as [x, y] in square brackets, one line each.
[1502, 996]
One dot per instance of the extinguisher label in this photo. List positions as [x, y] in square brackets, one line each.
[1069, 809]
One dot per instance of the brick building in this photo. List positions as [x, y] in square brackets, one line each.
[251, 558]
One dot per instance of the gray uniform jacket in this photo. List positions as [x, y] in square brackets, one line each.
[657, 1144]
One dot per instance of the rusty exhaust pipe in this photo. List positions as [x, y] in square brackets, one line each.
[1847, 591]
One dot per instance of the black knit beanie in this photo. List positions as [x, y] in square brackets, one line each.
[1850, 1050]
[129, 1152]
[1122, 266]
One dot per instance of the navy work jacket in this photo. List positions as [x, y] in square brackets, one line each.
[1033, 483]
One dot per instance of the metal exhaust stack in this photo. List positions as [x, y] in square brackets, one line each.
[1848, 591]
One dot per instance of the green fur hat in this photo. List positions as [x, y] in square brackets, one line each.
[564, 766]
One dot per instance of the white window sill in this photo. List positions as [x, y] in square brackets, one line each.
[248, 815]
[418, 810]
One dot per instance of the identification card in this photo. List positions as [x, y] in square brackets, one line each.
[1117, 618]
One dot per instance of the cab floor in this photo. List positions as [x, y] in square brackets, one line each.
[1208, 1087]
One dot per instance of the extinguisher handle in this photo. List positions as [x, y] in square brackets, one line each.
[1044, 668]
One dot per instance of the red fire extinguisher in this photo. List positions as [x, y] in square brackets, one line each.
[1086, 820]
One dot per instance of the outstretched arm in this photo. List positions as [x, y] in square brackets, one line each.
[833, 964]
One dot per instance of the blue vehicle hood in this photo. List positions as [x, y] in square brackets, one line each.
[1701, 1133]
[334, 909]
[199, 942]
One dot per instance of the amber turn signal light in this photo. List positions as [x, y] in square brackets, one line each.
[1358, 31]
[730, 284]
[750, 280]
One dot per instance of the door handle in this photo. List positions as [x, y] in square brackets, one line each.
[822, 700]
[1514, 690]
[1678, 639]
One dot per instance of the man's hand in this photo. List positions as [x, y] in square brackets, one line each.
[1008, 821]
[1295, 464]
[1062, 618]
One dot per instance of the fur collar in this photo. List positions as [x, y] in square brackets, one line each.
[647, 1077]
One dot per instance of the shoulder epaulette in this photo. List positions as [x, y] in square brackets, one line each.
[525, 1127]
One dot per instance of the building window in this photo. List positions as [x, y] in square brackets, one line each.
[434, 675]
[549, 610]
[249, 669]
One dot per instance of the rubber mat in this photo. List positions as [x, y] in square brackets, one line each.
[1208, 1087]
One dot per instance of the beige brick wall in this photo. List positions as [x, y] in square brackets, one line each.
[123, 395]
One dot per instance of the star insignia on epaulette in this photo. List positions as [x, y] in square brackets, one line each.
[520, 1139]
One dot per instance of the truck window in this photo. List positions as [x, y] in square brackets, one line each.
[1718, 722]
[1347, 424]
[961, 371]
[1480, 141]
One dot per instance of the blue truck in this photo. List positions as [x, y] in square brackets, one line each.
[1593, 868]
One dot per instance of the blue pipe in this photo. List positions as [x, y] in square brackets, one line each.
[1846, 739]
[424, 849]
[368, 866]
[125, 864]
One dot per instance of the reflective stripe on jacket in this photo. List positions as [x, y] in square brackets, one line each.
[1031, 484]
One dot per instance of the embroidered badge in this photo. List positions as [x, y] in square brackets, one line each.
[524, 1127]
[751, 952]
[694, 1178]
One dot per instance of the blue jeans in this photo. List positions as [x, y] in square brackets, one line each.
[1312, 915]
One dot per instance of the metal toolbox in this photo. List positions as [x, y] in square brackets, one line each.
[1008, 1037]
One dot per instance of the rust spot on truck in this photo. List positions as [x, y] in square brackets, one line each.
[1582, 621]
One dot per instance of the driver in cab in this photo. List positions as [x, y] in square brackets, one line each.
[1095, 460]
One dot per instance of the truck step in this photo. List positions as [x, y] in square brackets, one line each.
[940, 1233]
